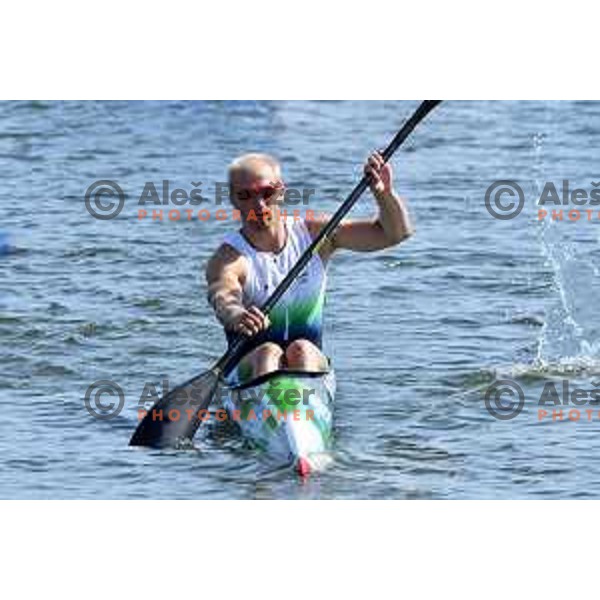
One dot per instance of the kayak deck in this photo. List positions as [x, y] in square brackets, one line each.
[288, 415]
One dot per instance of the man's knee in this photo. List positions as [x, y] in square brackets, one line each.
[268, 349]
[300, 350]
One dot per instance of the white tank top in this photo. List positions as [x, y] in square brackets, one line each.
[299, 313]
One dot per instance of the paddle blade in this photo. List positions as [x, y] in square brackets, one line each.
[174, 419]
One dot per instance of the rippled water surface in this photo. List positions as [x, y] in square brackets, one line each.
[416, 333]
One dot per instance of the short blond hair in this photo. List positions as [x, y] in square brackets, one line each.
[246, 162]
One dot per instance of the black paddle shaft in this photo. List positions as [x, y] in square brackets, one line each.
[238, 348]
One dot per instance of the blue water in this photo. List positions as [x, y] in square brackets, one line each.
[416, 332]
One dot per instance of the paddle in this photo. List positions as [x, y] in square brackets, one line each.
[175, 418]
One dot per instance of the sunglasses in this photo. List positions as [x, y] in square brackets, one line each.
[261, 191]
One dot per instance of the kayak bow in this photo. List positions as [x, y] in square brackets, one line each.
[288, 415]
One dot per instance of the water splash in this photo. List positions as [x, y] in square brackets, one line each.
[569, 335]
[584, 367]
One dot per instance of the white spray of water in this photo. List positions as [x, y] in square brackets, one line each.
[568, 336]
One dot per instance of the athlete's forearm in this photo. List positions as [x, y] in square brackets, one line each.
[394, 217]
[227, 304]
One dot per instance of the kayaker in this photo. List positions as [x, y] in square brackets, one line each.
[249, 263]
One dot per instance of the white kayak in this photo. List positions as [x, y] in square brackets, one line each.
[288, 415]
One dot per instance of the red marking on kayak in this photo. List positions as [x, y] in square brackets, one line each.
[303, 467]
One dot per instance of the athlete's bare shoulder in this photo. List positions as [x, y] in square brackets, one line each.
[226, 262]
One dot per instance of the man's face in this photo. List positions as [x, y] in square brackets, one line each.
[256, 194]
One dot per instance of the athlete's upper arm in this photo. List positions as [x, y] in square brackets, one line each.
[360, 235]
[225, 273]
[314, 227]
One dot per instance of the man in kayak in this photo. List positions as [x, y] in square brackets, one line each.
[251, 262]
